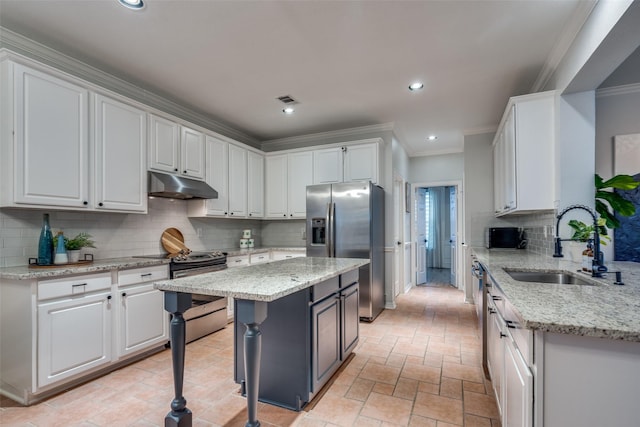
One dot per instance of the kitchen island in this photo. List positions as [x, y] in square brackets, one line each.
[562, 354]
[254, 288]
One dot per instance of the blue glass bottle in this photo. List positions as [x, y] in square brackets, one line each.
[45, 245]
[61, 256]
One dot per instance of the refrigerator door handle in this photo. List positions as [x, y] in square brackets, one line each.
[328, 230]
[333, 230]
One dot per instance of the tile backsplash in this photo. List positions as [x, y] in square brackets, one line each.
[118, 235]
[540, 229]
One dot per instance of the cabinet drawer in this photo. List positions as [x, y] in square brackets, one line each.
[144, 274]
[73, 285]
[237, 261]
[324, 289]
[349, 278]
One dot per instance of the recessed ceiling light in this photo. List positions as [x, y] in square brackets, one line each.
[288, 110]
[132, 4]
[416, 86]
[432, 138]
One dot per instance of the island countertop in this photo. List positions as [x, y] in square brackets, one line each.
[603, 310]
[264, 282]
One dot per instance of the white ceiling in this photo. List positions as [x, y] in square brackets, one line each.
[348, 63]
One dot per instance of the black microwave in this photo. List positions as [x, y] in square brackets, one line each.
[504, 237]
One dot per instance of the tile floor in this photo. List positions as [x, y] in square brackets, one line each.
[418, 365]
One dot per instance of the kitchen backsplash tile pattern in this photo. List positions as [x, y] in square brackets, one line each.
[118, 235]
[540, 229]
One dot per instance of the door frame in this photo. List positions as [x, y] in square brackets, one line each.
[459, 227]
[398, 236]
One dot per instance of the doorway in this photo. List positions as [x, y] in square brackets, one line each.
[436, 235]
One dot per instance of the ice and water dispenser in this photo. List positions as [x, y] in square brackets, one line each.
[318, 231]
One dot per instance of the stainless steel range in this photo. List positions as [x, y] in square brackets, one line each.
[207, 313]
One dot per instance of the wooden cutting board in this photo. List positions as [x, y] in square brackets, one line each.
[173, 241]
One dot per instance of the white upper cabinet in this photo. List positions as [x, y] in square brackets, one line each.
[524, 155]
[300, 174]
[255, 184]
[237, 181]
[51, 140]
[327, 166]
[217, 176]
[276, 186]
[351, 162]
[287, 177]
[176, 149]
[120, 156]
[361, 163]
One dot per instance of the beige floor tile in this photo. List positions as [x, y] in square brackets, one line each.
[383, 388]
[380, 373]
[418, 421]
[406, 388]
[388, 409]
[474, 387]
[450, 387]
[475, 421]
[337, 410]
[421, 373]
[439, 408]
[462, 372]
[360, 389]
[483, 405]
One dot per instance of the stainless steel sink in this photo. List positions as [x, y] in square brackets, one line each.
[547, 277]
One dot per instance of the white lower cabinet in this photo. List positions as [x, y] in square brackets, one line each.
[517, 404]
[74, 326]
[143, 322]
[495, 354]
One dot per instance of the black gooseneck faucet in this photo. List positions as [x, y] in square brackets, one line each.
[597, 267]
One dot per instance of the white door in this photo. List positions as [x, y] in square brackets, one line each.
[120, 156]
[237, 181]
[217, 175]
[421, 236]
[300, 175]
[192, 153]
[276, 186]
[164, 144]
[52, 140]
[255, 184]
[143, 320]
[398, 201]
[453, 209]
[74, 335]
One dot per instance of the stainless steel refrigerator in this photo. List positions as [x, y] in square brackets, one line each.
[347, 221]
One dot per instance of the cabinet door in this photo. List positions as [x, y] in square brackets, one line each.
[164, 145]
[361, 163]
[518, 388]
[350, 320]
[120, 156]
[143, 320]
[192, 153]
[276, 186]
[300, 174]
[325, 339]
[237, 181]
[52, 141]
[509, 161]
[255, 184]
[217, 176]
[74, 336]
[237, 261]
[327, 166]
[495, 354]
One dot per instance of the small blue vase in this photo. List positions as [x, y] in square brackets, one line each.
[61, 256]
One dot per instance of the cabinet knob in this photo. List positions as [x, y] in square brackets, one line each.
[250, 214]
[231, 213]
[175, 170]
[85, 203]
[184, 172]
[124, 294]
[100, 204]
[225, 213]
[108, 297]
[284, 215]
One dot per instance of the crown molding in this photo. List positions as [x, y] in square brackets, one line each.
[618, 90]
[564, 42]
[32, 49]
[322, 137]
[437, 152]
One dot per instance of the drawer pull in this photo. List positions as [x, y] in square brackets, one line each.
[496, 298]
[146, 275]
[503, 335]
[79, 284]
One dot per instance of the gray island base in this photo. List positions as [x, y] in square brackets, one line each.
[254, 288]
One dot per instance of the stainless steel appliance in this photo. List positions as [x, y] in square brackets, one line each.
[505, 237]
[480, 295]
[207, 313]
[346, 220]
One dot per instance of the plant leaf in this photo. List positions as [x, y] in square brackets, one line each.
[621, 182]
[617, 203]
[599, 182]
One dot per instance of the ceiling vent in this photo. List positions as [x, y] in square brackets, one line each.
[287, 100]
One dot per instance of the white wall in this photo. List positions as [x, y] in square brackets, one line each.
[445, 167]
[478, 187]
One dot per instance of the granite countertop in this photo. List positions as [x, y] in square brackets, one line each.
[603, 310]
[24, 272]
[264, 282]
[262, 249]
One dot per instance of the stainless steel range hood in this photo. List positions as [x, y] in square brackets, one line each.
[179, 187]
